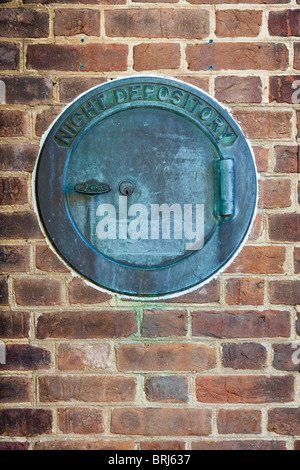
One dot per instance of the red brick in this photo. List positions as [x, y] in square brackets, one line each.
[84, 445]
[81, 420]
[161, 422]
[37, 292]
[17, 157]
[19, 225]
[25, 422]
[265, 124]
[237, 56]
[167, 389]
[261, 158]
[156, 56]
[257, 227]
[69, 22]
[14, 325]
[238, 89]
[239, 445]
[200, 82]
[28, 90]
[15, 389]
[23, 23]
[297, 57]
[14, 445]
[286, 357]
[245, 291]
[45, 119]
[86, 388]
[162, 445]
[207, 294]
[26, 357]
[91, 2]
[284, 227]
[13, 191]
[81, 293]
[243, 389]
[157, 23]
[286, 159]
[4, 297]
[47, 261]
[13, 123]
[284, 421]
[297, 445]
[241, 324]
[84, 357]
[285, 292]
[297, 260]
[236, 23]
[70, 88]
[164, 323]
[281, 89]
[259, 260]
[239, 422]
[284, 23]
[274, 193]
[152, 357]
[9, 56]
[244, 356]
[69, 57]
[14, 258]
[209, 2]
[82, 325]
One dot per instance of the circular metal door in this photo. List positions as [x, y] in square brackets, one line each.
[146, 187]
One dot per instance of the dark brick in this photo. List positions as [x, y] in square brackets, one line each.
[286, 357]
[154, 56]
[285, 292]
[208, 294]
[19, 225]
[85, 445]
[9, 56]
[13, 123]
[13, 445]
[297, 260]
[238, 89]
[15, 389]
[284, 23]
[286, 159]
[17, 157]
[284, 227]
[70, 88]
[23, 23]
[160, 322]
[239, 422]
[14, 325]
[38, 292]
[285, 421]
[25, 422]
[3, 291]
[162, 445]
[81, 420]
[81, 293]
[244, 356]
[45, 119]
[282, 89]
[167, 389]
[69, 22]
[26, 357]
[14, 258]
[239, 445]
[28, 90]
[47, 261]
[13, 191]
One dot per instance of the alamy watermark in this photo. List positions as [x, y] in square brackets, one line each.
[296, 354]
[296, 93]
[2, 353]
[2, 92]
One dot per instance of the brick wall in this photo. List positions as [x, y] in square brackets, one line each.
[209, 370]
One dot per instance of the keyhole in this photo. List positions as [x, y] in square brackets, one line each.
[126, 188]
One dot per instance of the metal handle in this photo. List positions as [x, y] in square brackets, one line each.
[226, 189]
[92, 188]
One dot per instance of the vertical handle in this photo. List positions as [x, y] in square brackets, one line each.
[226, 187]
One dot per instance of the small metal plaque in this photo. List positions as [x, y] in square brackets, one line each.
[146, 186]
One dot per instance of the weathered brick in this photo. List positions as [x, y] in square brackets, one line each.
[284, 227]
[245, 291]
[26, 357]
[286, 357]
[81, 293]
[244, 356]
[4, 296]
[239, 422]
[167, 389]
[239, 445]
[27, 90]
[284, 421]
[238, 89]
[297, 445]
[38, 292]
[157, 23]
[13, 191]
[91, 2]
[81, 420]
[274, 193]
[13, 123]
[284, 23]
[243, 389]
[297, 56]
[84, 356]
[161, 422]
[155, 56]
[287, 159]
[257, 227]
[285, 292]
[84, 445]
[164, 323]
[46, 260]
[259, 260]
[207, 294]
[14, 445]
[17, 157]
[23, 23]
[45, 119]
[238, 23]
[152, 357]
[297, 260]
[14, 258]
[25, 422]
[261, 158]
[69, 22]
[69, 57]
[162, 445]
[265, 124]
[19, 225]
[86, 388]
[282, 89]
[70, 88]
[82, 325]
[14, 325]
[15, 389]
[199, 82]
[246, 324]
[9, 56]
[237, 56]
